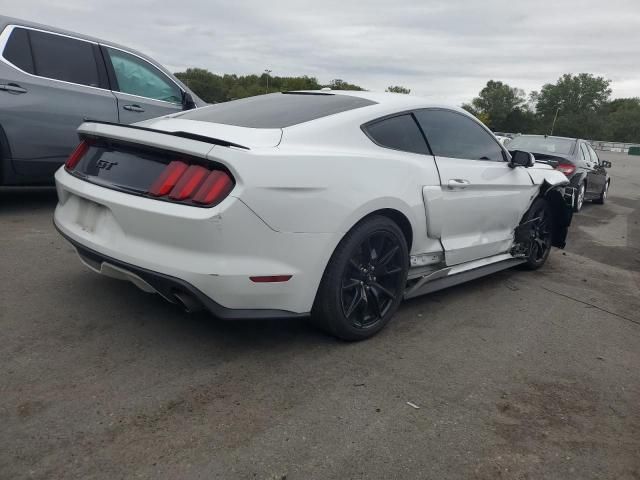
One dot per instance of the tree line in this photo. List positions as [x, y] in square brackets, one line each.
[574, 106]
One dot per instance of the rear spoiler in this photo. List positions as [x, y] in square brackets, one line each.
[187, 135]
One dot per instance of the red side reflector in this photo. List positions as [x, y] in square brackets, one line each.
[566, 168]
[271, 279]
[189, 182]
[168, 178]
[77, 155]
[216, 187]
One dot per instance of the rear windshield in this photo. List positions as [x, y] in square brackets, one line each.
[276, 110]
[550, 145]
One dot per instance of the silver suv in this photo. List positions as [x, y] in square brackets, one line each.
[52, 80]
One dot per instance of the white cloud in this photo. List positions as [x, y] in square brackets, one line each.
[446, 50]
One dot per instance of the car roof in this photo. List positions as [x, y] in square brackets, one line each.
[548, 136]
[386, 99]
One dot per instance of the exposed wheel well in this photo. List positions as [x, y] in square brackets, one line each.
[400, 219]
[562, 214]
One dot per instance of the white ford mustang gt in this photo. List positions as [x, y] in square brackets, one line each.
[331, 204]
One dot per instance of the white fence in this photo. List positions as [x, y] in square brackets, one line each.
[612, 146]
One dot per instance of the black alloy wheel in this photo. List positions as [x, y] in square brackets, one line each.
[370, 282]
[364, 281]
[540, 222]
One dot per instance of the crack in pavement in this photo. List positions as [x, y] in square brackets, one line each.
[592, 305]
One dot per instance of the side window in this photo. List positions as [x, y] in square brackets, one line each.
[398, 133]
[594, 155]
[138, 77]
[584, 154]
[451, 134]
[63, 58]
[18, 51]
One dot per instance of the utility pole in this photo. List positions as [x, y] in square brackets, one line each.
[267, 71]
[554, 120]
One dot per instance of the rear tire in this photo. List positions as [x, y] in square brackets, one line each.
[541, 219]
[603, 195]
[364, 281]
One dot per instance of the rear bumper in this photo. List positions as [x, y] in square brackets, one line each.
[207, 252]
[168, 286]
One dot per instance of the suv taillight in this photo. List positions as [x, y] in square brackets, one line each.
[566, 168]
[184, 183]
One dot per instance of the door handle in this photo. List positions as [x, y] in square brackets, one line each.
[458, 184]
[12, 88]
[133, 108]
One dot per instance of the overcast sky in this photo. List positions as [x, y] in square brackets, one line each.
[445, 50]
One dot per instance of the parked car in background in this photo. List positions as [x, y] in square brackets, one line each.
[52, 80]
[573, 157]
[333, 204]
[503, 140]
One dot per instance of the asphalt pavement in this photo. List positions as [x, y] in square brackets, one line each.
[517, 375]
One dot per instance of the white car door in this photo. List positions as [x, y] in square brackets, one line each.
[480, 199]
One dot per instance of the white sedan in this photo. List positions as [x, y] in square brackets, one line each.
[334, 205]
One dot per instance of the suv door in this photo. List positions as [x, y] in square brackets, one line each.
[49, 83]
[143, 90]
[481, 199]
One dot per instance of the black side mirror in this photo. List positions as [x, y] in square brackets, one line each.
[522, 159]
[605, 163]
[187, 101]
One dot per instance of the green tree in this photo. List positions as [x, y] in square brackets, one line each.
[623, 120]
[339, 84]
[398, 89]
[573, 94]
[495, 102]
[213, 88]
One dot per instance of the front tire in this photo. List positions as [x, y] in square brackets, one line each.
[579, 202]
[603, 195]
[364, 281]
[541, 223]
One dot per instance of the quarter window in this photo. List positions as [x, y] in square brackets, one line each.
[593, 154]
[398, 133]
[584, 154]
[63, 58]
[452, 134]
[138, 77]
[18, 51]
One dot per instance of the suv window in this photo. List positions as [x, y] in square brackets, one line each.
[18, 51]
[63, 58]
[138, 77]
[452, 134]
[399, 133]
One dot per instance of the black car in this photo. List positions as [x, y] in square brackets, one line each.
[573, 157]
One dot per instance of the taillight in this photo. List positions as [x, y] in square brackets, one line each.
[566, 168]
[217, 185]
[189, 181]
[77, 155]
[185, 183]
